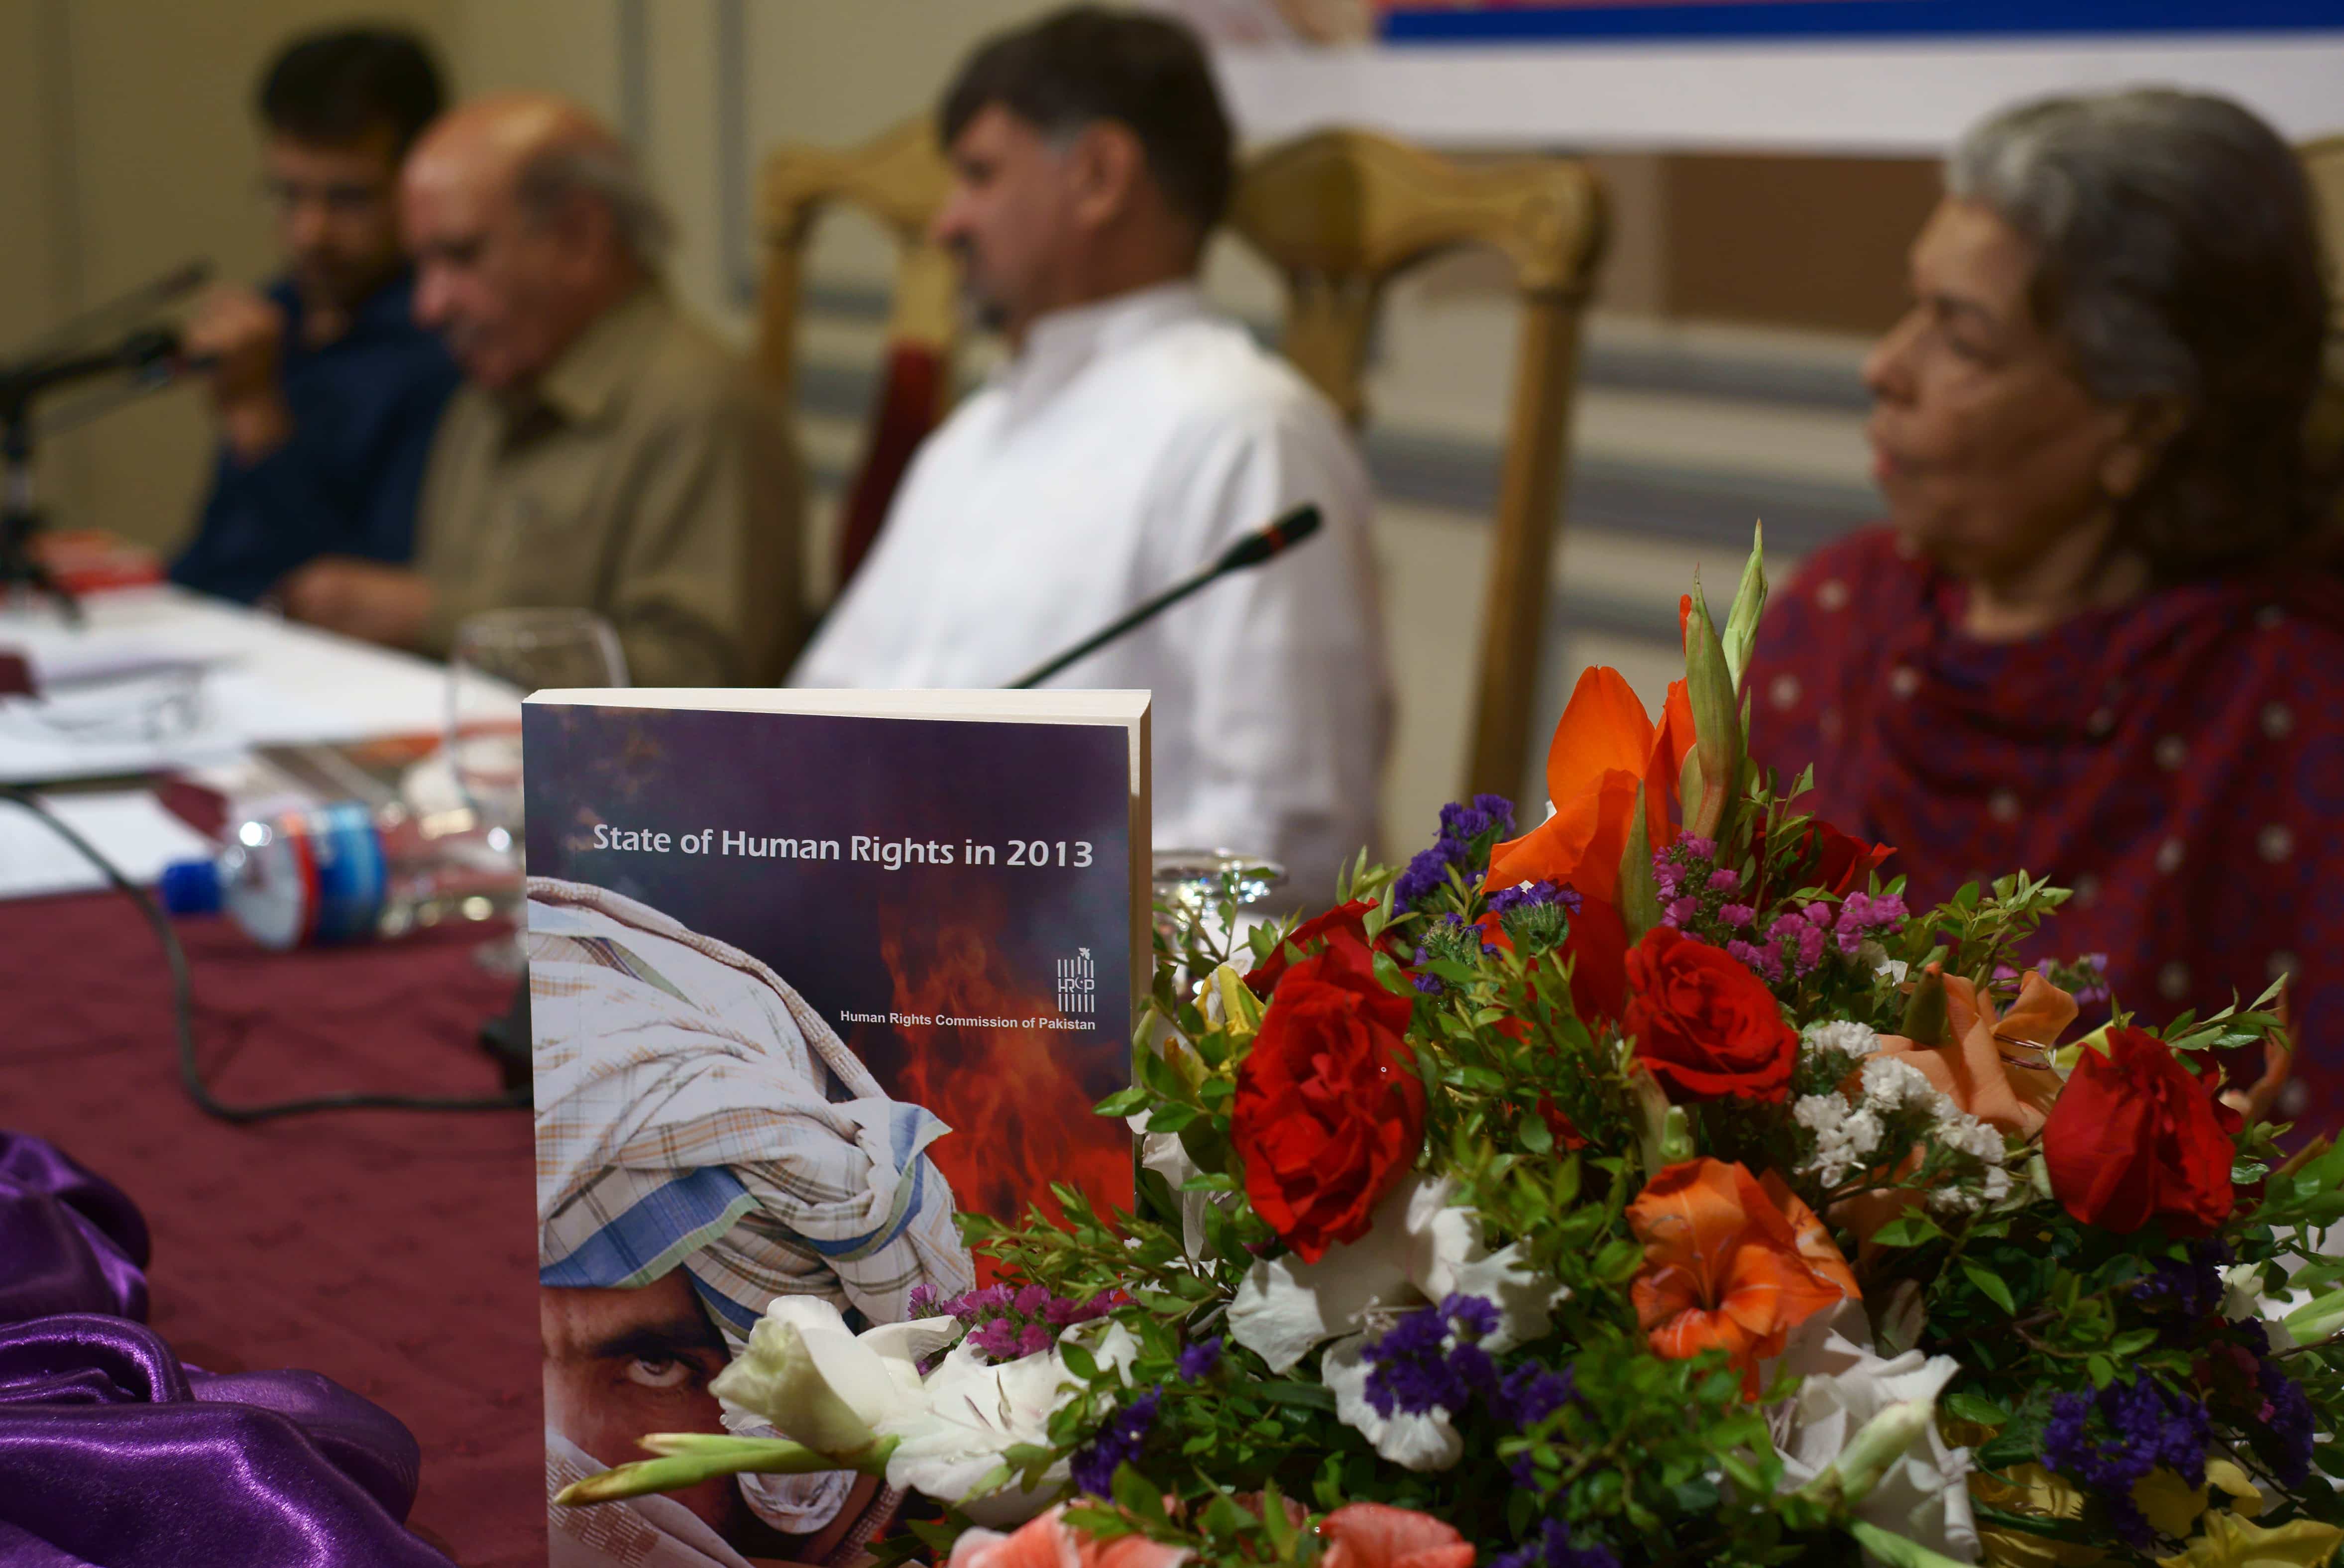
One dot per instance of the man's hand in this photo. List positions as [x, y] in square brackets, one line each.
[245, 333]
[363, 599]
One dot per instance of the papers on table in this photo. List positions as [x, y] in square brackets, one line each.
[128, 826]
[246, 679]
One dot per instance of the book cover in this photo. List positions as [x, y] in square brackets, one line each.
[802, 984]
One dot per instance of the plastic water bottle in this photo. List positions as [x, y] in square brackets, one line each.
[348, 872]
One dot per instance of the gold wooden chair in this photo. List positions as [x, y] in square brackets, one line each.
[2323, 164]
[899, 177]
[1340, 214]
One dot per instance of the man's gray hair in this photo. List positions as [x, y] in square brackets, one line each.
[603, 173]
[2177, 257]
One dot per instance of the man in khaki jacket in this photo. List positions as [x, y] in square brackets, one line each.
[605, 451]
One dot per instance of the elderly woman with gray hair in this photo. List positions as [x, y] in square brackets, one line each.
[2098, 637]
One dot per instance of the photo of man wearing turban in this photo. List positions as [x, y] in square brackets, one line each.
[705, 1143]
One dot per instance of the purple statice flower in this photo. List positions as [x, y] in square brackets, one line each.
[1552, 1546]
[1454, 939]
[1468, 829]
[1428, 985]
[2188, 1289]
[1764, 962]
[1737, 915]
[1431, 1359]
[995, 1340]
[1863, 917]
[1116, 1441]
[1530, 894]
[1681, 913]
[1535, 915]
[1005, 1324]
[1530, 1392]
[1698, 848]
[1197, 1361]
[1724, 879]
[922, 1302]
[2147, 1426]
[2283, 1429]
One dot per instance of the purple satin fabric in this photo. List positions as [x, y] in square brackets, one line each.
[111, 1452]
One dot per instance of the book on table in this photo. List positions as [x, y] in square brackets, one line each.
[808, 971]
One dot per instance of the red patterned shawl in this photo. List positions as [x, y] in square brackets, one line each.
[2178, 762]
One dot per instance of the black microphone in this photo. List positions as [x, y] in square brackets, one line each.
[143, 352]
[112, 316]
[1251, 550]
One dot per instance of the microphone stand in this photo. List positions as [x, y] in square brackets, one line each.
[21, 570]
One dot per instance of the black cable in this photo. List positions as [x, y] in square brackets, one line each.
[183, 1009]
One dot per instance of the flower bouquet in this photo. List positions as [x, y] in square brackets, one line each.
[1648, 1186]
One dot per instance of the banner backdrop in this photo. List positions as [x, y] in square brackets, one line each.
[1900, 77]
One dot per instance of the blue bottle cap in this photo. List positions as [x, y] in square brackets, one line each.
[190, 887]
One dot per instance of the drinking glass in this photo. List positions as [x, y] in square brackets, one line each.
[499, 657]
[1202, 899]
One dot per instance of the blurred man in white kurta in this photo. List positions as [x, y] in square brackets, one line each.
[1133, 435]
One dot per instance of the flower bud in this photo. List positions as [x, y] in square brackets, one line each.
[2317, 1319]
[778, 1378]
[1881, 1443]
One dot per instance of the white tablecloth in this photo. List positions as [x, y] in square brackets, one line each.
[265, 682]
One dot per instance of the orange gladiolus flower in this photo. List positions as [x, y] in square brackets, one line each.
[1605, 747]
[1730, 1263]
[1996, 1068]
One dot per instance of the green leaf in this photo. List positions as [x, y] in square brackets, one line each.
[1136, 1495]
[1172, 1117]
[1532, 1133]
[1122, 1102]
[1078, 1360]
[1274, 1519]
[1893, 1549]
[1907, 1231]
[1989, 1283]
[1619, 1260]
[1301, 1396]
[1966, 1404]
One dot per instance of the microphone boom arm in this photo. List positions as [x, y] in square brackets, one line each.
[1250, 550]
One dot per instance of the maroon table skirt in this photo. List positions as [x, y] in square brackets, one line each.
[391, 1251]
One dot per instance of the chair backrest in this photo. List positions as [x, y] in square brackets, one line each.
[1339, 214]
[2323, 163]
[900, 177]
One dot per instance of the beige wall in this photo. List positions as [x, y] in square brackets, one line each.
[137, 113]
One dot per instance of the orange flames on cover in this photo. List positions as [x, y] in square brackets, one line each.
[1019, 1110]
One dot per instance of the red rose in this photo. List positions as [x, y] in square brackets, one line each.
[1328, 1111]
[1844, 864]
[2135, 1137]
[1350, 918]
[1704, 1024]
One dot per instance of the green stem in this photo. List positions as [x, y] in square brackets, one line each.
[688, 1458]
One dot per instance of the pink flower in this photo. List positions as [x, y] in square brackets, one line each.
[1045, 1541]
[1371, 1535]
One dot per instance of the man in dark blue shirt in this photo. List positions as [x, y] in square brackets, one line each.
[325, 392]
